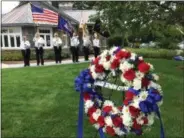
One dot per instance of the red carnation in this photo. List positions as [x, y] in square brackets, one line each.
[110, 131]
[145, 119]
[99, 68]
[92, 120]
[129, 95]
[129, 74]
[108, 57]
[145, 82]
[134, 111]
[96, 60]
[126, 101]
[136, 125]
[120, 108]
[123, 54]
[115, 63]
[143, 67]
[107, 109]
[86, 96]
[117, 121]
[101, 121]
[91, 110]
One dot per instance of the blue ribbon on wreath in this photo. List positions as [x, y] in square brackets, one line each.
[81, 85]
[150, 105]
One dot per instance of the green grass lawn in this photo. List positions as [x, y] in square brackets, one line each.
[42, 102]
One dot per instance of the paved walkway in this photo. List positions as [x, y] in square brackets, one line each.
[49, 63]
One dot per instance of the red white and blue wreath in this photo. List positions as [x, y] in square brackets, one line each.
[143, 95]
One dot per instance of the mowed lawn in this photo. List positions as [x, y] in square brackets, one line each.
[42, 102]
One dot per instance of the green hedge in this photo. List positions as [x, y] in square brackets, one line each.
[16, 55]
[155, 53]
[115, 40]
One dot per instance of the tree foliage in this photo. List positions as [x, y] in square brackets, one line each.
[151, 20]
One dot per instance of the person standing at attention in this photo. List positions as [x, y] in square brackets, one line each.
[86, 44]
[75, 47]
[96, 45]
[25, 48]
[39, 43]
[57, 42]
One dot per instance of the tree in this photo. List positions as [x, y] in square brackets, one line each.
[142, 19]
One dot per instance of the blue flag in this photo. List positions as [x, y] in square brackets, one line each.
[64, 25]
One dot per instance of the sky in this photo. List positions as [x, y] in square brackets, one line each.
[8, 6]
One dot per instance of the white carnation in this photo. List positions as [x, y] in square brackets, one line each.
[139, 75]
[112, 50]
[143, 95]
[127, 120]
[126, 82]
[101, 76]
[96, 114]
[160, 103]
[118, 131]
[156, 77]
[108, 121]
[97, 126]
[140, 58]
[115, 110]
[137, 84]
[125, 66]
[151, 66]
[153, 85]
[94, 75]
[140, 120]
[106, 65]
[108, 103]
[89, 104]
[150, 119]
[133, 56]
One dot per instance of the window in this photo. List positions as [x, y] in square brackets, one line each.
[6, 40]
[12, 40]
[46, 34]
[18, 41]
[11, 37]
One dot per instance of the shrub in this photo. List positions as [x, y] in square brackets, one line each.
[115, 40]
[16, 55]
[155, 53]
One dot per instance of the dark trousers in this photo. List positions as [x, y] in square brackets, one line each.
[26, 55]
[86, 53]
[75, 55]
[39, 55]
[57, 51]
[96, 51]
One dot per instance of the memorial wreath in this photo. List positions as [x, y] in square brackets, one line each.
[140, 105]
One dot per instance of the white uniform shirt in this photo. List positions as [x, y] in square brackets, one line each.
[96, 42]
[25, 45]
[57, 41]
[74, 41]
[39, 42]
[86, 42]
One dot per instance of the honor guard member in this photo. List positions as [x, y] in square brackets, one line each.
[86, 44]
[57, 42]
[75, 47]
[39, 43]
[25, 48]
[96, 45]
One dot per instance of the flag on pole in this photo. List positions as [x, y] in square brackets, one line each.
[65, 25]
[44, 16]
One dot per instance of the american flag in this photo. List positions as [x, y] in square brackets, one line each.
[44, 16]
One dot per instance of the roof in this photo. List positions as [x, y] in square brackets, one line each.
[18, 15]
[81, 14]
[22, 15]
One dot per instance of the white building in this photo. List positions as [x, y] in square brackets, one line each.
[19, 22]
